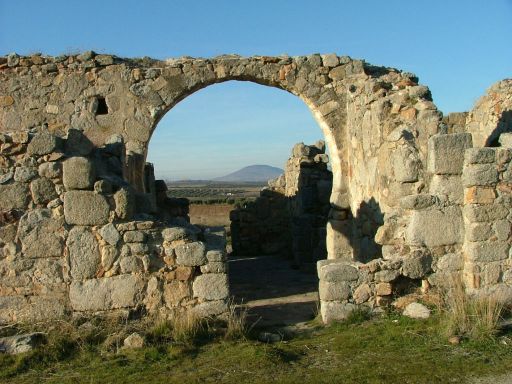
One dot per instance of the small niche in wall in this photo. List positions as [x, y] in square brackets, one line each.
[102, 107]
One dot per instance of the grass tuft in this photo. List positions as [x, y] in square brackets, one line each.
[475, 317]
[236, 321]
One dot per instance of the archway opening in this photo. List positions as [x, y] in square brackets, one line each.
[278, 233]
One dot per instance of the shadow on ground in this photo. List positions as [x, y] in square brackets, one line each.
[274, 292]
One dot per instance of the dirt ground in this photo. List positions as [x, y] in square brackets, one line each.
[210, 214]
[275, 294]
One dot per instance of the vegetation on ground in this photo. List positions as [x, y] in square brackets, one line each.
[385, 349]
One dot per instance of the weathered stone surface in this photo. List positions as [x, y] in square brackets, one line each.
[43, 190]
[107, 293]
[175, 291]
[484, 213]
[210, 308]
[214, 267]
[191, 254]
[435, 227]
[42, 144]
[487, 252]
[78, 173]
[24, 174]
[14, 196]
[337, 272]
[177, 233]
[421, 201]
[446, 152]
[134, 237]
[406, 164]
[214, 256]
[85, 208]
[330, 291]
[362, 294]
[417, 265]
[125, 204]
[131, 264]
[84, 255]
[479, 155]
[480, 174]
[39, 234]
[335, 311]
[450, 262]
[14, 345]
[383, 289]
[50, 170]
[386, 275]
[506, 139]
[478, 231]
[479, 195]
[211, 286]
[416, 311]
[133, 341]
[109, 254]
[110, 234]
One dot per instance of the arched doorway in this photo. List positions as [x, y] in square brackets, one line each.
[263, 280]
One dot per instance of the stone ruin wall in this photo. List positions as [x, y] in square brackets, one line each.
[76, 238]
[290, 215]
[388, 144]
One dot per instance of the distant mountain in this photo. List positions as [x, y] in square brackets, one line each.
[252, 173]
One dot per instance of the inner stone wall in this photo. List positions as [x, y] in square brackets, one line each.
[290, 216]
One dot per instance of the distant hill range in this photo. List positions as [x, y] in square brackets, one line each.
[251, 174]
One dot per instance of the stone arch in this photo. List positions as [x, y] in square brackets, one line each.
[265, 71]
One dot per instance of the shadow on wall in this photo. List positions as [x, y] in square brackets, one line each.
[361, 231]
[504, 125]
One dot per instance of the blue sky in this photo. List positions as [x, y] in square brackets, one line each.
[457, 48]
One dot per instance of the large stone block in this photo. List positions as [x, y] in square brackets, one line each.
[435, 227]
[487, 252]
[211, 286]
[329, 291]
[481, 213]
[191, 254]
[335, 311]
[78, 173]
[14, 196]
[210, 308]
[479, 195]
[406, 164]
[85, 208]
[84, 255]
[480, 155]
[39, 233]
[107, 293]
[449, 186]
[417, 265]
[340, 271]
[480, 174]
[446, 152]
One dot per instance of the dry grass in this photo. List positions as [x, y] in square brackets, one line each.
[236, 321]
[475, 317]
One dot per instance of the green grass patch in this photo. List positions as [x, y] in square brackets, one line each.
[387, 350]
